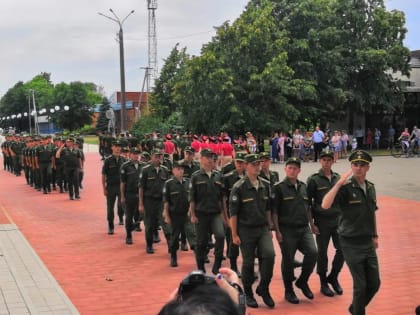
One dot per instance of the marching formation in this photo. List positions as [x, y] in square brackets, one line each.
[198, 194]
[47, 162]
[221, 195]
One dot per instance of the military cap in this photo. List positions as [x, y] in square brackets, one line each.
[45, 137]
[70, 139]
[252, 158]
[156, 152]
[145, 155]
[240, 156]
[189, 149]
[135, 150]
[328, 154]
[195, 136]
[360, 156]
[293, 160]
[125, 149]
[178, 164]
[265, 156]
[117, 143]
[207, 152]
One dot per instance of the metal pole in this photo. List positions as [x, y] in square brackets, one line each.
[122, 75]
[36, 114]
[29, 114]
[122, 71]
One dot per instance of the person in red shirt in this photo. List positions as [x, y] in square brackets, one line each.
[169, 147]
[226, 152]
[195, 144]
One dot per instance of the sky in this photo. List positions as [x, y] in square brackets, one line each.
[69, 40]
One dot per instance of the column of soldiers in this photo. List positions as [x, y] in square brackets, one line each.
[241, 204]
[46, 162]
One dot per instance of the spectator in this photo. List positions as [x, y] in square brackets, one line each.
[377, 138]
[369, 139]
[391, 136]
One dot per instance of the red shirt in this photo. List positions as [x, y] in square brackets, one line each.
[227, 149]
[169, 147]
[196, 145]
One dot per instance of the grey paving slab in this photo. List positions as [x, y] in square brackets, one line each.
[26, 285]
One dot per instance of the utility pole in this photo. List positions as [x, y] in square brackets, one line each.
[122, 70]
[145, 82]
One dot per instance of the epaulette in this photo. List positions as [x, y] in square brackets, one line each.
[108, 157]
[264, 180]
[196, 172]
[126, 162]
[164, 167]
[229, 173]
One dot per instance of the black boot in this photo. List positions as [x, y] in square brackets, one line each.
[216, 266]
[325, 288]
[174, 262]
[200, 265]
[249, 298]
[332, 279]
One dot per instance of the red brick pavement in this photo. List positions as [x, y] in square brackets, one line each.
[102, 275]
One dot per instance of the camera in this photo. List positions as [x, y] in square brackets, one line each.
[193, 280]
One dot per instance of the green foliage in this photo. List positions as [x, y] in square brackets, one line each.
[287, 63]
[80, 97]
[147, 124]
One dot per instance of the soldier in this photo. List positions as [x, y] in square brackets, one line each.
[59, 165]
[152, 178]
[72, 164]
[325, 223]
[291, 223]
[175, 207]
[130, 173]
[271, 176]
[357, 228]
[250, 221]
[43, 160]
[229, 181]
[190, 166]
[206, 209]
[111, 185]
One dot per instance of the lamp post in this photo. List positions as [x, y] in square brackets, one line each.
[122, 71]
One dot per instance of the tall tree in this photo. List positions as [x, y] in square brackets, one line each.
[162, 100]
[74, 95]
[102, 122]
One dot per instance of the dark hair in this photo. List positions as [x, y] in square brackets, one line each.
[418, 310]
[205, 300]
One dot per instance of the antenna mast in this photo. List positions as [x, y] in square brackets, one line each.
[152, 73]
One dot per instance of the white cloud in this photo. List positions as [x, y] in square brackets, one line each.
[72, 42]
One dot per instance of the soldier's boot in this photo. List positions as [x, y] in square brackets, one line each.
[325, 288]
[200, 265]
[217, 264]
[234, 266]
[61, 188]
[333, 280]
[174, 262]
[249, 298]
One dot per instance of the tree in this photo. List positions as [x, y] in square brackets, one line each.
[76, 96]
[162, 100]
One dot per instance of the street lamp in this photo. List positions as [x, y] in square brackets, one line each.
[122, 71]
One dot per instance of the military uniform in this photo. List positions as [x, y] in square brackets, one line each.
[357, 229]
[291, 207]
[251, 205]
[151, 183]
[318, 185]
[206, 194]
[71, 159]
[111, 171]
[44, 156]
[175, 194]
[130, 173]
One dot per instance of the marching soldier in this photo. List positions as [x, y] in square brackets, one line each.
[206, 209]
[111, 185]
[325, 223]
[152, 178]
[250, 221]
[357, 229]
[291, 223]
[175, 207]
[130, 173]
